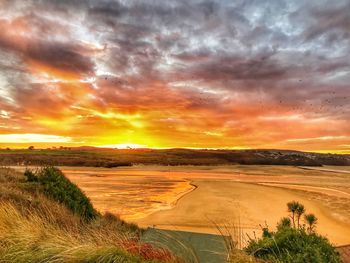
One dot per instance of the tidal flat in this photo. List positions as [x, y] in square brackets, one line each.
[203, 198]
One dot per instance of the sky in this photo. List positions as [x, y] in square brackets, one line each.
[197, 74]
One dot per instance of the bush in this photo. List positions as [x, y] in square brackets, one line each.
[294, 246]
[31, 177]
[56, 186]
[292, 243]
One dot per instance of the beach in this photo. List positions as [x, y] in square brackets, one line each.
[228, 204]
[203, 198]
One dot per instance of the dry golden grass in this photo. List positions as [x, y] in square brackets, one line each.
[32, 237]
[34, 228]
[235, 240]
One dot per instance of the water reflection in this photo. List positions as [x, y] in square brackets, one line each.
[131, 195]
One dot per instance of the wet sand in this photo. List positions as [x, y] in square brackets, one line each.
[242, 195]
[243, 205]
[335, 169]
[131, 195]
[314, 189]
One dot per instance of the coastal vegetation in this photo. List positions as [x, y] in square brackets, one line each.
[294, 241]
[100, 157]
[45, 218]
[56, 186]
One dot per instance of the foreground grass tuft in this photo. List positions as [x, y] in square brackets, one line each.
[36, 238]
[38, 224]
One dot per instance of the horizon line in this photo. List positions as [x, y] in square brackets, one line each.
[62, 147]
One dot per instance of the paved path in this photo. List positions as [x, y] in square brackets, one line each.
[193, 247]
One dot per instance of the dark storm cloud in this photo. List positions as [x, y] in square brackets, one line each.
[108, 9]
[231, 41]
[32, 38]
[61, 56]
[228, 68]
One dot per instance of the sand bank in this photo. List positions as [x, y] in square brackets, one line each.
[243, 204]
[239, 194]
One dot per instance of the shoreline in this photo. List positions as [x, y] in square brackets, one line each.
[225, 202]
[309, 188]
[147, 196]
[324, 169]
[167, 206]
[183, 194]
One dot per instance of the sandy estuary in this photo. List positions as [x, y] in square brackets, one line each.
[201, 198]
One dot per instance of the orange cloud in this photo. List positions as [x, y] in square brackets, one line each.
[92, 74]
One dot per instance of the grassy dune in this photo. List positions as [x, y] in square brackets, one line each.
[36, 228]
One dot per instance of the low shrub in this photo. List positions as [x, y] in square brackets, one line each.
[293, 242]
[30, 175]
[56, 186]
[293, 245]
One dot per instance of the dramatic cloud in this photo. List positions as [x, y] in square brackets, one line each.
[199, 73]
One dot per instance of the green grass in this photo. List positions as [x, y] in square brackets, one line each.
[59, 158]
[55, 185]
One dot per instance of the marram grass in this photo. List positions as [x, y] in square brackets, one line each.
[36, 228]
[33, 238]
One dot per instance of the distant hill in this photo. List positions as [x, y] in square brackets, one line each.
[105, 157]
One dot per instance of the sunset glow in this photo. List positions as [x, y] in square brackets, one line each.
[162, 74]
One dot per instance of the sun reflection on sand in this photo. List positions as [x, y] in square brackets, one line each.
[129, 195]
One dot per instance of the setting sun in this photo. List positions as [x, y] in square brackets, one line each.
[123, 146]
